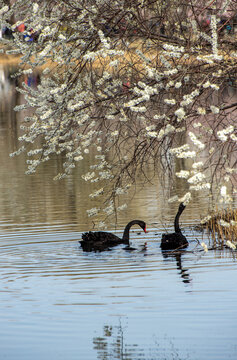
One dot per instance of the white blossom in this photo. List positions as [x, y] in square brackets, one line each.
[180, 129]
[180, 113]
[233, 137]
[97, 193]
[186, 78]
[104, 41]
[168, 129]
[215, 86]
[224, 223]
[78, 158]
[186, 198]
[189, 98]
[214, 39]
[35, 8]
[178, 85]
[106, 175]
[200, 186]
[206, 219]
[170, 84]
[197, 165]
[179, 149]
[92, 212]
[122, 207]
[230, 245]
[214, 109]
[121, 191]
[186, 155]
[197, 125]
[152, 134]
[62, 37]
[170, 72]
[46, 50]
[141, 109]
[196, 142]
[173, 48]
[222, 134]
[197, 178]
[47, 114]
[201, 111]
[150, 127]
[170, 101]
[183, 174]
[4, 9]
[206, 84]
[205, 248]
[88, 176]
[223, 190]
[161, 133]
[27, 71]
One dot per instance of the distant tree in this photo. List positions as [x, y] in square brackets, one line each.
[130, 83]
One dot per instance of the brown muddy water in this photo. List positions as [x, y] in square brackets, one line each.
[60, 303]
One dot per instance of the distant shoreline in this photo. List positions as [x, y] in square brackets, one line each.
[9, 59]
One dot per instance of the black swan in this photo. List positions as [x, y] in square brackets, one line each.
[101, 240]
[177, 239]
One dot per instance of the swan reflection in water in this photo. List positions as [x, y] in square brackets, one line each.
[177, 255]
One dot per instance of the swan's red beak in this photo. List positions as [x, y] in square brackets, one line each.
[145, 230]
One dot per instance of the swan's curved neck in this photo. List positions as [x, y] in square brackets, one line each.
[126, 230]
[176, 221]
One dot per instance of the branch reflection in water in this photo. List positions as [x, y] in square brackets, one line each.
[112, 345]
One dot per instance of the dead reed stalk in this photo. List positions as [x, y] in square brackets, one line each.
[222, 226]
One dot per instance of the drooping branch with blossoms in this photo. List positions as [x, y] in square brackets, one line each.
[129, 83]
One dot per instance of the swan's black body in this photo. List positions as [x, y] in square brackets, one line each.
[101, 240]
[177, 239]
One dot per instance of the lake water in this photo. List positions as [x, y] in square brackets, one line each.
[60, 303]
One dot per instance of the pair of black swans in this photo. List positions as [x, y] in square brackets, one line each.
[100, 240]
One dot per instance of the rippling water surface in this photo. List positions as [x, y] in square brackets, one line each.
[60, 303]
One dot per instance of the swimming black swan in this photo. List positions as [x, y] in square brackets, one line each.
[101, 240]
[176, 239]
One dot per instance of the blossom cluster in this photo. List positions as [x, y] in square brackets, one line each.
[196, 142]
[183, 152]
[222, 134]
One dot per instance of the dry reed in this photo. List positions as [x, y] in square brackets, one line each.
[222, 226]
